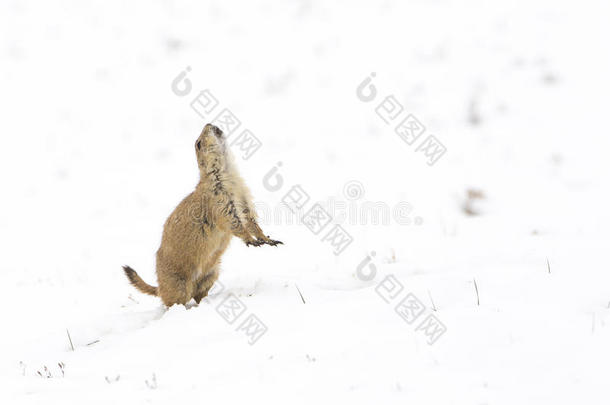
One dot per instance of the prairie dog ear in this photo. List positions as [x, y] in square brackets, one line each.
[218, 132]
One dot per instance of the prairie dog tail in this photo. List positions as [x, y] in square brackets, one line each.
[138, 283]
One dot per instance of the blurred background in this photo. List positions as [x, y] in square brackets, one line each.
[97, 148]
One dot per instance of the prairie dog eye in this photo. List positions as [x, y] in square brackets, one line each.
[198, 145]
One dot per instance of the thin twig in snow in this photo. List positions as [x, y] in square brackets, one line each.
[477, 290]
[70, 339]
[432, 301]
[548, 265]
[302, 299]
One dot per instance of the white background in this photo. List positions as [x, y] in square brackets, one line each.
[97, 150]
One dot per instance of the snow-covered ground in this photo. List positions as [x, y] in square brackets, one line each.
[97, 135]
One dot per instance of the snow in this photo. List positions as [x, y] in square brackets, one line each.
[97, 149]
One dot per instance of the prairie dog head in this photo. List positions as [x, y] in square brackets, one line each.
[211, 149]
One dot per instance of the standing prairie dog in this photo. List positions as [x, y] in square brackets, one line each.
[198, 231]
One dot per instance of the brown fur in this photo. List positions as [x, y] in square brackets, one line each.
[199, 230]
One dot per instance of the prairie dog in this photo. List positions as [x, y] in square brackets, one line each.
[198, 231]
